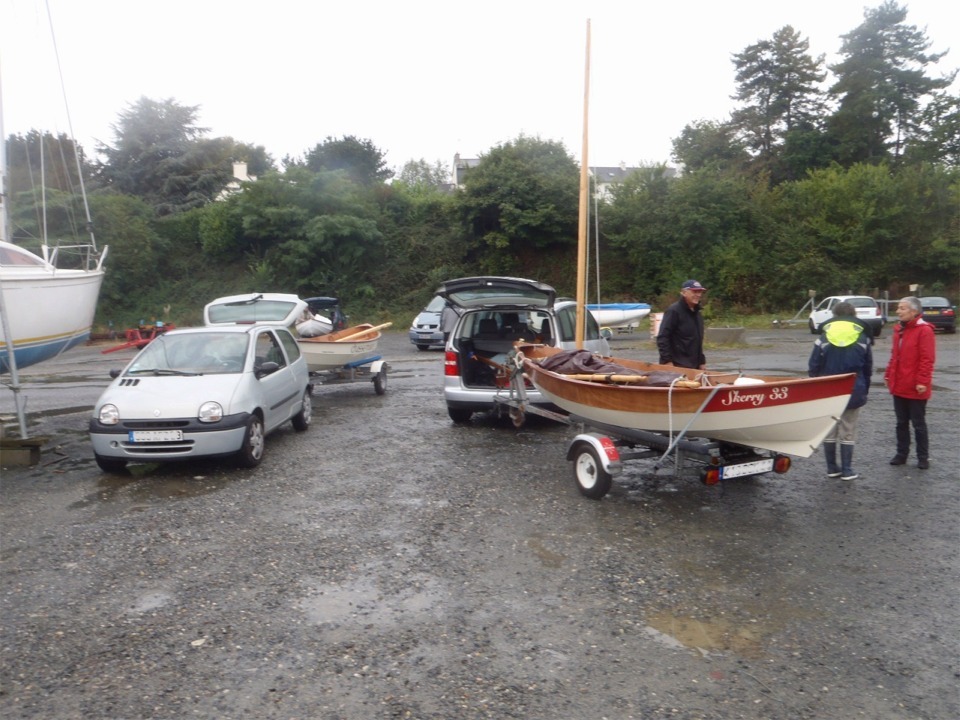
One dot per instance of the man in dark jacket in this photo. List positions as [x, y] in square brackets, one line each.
[680, 339]
[844, 347]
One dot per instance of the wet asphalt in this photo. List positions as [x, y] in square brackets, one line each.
[390, 564]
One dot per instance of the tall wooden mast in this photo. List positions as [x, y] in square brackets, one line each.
[584, 204]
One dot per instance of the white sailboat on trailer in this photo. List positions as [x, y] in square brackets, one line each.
[46, 307]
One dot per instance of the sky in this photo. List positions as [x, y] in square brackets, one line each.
[420, 79]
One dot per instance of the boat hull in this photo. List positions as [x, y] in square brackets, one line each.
[780, 414]
[48, 312]
[341, 348]
[616, 315]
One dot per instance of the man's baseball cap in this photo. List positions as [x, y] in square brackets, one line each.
[692, 285]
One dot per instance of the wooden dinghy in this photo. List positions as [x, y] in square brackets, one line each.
[783, 414]
[341, 348]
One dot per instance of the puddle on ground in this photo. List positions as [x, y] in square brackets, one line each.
[708, 634]
[546, 556]
[144, 484]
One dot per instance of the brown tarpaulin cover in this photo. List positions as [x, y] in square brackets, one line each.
[584, 362]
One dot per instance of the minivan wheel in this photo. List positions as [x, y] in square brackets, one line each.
[459, 415]
[813, 328]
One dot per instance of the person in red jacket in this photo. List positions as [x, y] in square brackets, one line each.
[909, 378]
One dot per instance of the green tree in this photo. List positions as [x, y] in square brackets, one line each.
[149, 137]
[136, 257]
[937, 137]
[419, 173]
[360, 160]
[710, 144]
[881, 82]
[523, 197]
[778, 84]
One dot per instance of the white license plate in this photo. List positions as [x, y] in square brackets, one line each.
[145, 436]
[748, 468]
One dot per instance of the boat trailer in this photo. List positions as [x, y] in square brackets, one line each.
[599, 451]
[373, 369]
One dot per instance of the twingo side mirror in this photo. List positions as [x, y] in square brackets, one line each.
[115, 373]
[267, 368]
[606, 333]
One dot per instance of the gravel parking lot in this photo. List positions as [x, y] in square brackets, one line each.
[391, 564]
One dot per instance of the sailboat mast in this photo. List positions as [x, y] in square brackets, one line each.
[584, 202]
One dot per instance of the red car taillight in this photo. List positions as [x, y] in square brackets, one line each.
[451, 364]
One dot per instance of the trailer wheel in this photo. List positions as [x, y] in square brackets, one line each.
[592, 480]
[380, 381]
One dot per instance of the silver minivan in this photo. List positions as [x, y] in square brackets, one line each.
[494, 313]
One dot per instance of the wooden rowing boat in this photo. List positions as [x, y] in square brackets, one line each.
[341, 348]
[783, 414]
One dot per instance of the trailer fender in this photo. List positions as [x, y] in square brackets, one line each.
[605, 448]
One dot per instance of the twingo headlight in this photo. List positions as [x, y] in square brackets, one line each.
[210, 412]
[108, 415]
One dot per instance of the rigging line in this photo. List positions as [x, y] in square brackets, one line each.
[66, 105]
[596, 233]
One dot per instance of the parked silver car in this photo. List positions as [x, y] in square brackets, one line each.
[207, 392]
[426, 330]
[494, 313]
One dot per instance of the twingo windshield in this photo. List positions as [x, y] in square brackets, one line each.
[193, 353]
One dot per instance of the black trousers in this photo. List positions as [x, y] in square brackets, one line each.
[909, 411]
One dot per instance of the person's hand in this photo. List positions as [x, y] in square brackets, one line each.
[921, 389]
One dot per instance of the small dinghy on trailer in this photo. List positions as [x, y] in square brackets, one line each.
[347, 355]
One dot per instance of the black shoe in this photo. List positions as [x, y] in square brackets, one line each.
[898, 460]
[924, 464]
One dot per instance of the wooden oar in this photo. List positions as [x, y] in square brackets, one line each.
[599, 377]
[351, 336]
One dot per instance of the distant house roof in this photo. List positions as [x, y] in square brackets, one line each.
[460, 167]
[606, 177]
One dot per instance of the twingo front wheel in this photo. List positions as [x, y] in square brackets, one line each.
[592, 479]
[110, 465]
[301, 421]
[251, 452]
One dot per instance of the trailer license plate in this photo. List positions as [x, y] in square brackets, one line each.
[748, 468]
[145, 436]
